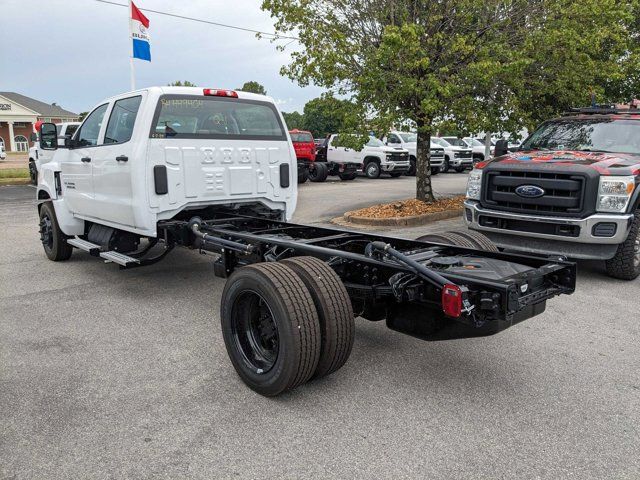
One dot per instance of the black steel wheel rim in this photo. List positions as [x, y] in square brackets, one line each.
[254, 331]
[46, 232]
[313, 172]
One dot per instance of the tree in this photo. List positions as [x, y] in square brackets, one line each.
[253, 87]
[294, 120]
[475, 63]
[81, 116]
[326, 114]
[180, 83]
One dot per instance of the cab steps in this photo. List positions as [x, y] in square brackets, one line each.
[96, 251]
[92, 248]
[119, 258]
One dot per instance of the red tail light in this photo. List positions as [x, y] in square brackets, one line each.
[452, 300]
[216, 92]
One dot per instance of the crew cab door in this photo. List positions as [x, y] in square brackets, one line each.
[112, 164]
[76, 168]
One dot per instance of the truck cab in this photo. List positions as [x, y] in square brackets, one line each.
[409, 141]
[570, 189]
[305, 149]
[148, 155]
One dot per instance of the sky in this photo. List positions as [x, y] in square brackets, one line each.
[76, 52]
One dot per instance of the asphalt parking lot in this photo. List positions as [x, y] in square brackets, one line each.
[123, 374]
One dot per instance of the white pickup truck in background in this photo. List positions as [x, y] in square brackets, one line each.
[409, 141]
[457, 154]
[38, 156]
[375, 157]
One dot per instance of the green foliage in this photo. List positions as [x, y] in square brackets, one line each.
[326, 114]
[253, 87]
[294, 120]
[472, 64]
[81, 116]
[180, 83]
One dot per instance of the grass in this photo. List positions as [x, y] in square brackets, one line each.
[14, 173]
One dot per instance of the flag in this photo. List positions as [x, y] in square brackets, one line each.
[139, 28]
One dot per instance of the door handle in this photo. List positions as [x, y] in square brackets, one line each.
[122, 158]
[85, 159]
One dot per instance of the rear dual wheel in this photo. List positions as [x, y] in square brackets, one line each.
[318, 172]
[284, 323]
[348, 176]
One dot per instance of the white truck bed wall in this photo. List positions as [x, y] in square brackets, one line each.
[201, 172]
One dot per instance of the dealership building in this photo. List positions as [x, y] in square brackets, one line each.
[18, 116]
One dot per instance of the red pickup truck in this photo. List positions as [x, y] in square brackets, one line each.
[306, 154]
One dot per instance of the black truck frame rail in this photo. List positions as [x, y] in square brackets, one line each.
[428, 290]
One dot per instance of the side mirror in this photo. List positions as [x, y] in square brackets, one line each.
[48, 136]
[502, 148]
[34, 137]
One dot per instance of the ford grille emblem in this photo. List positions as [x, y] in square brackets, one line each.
[529, 191]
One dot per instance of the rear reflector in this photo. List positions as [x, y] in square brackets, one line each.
[451, 300]
[216, 92]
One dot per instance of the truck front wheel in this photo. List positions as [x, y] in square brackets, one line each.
[53, 240]
[33, 172]
[372, 169]
[625, 265]
[270, 327]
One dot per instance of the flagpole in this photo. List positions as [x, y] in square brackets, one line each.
[133, 74]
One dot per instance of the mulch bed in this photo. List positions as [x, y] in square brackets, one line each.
[409, 208]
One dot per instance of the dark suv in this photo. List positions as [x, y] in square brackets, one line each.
[570, 189]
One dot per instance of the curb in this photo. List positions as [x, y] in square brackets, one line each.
[403, 221]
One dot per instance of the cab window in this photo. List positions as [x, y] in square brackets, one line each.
[122, 120]
[90, 129]
[181, 116]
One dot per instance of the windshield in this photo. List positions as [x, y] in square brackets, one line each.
[374, 142]
[441, 141]
[474, 142]
[301, 137]
[187, 116]
[590, 134]
[457, 142]
[409, 137]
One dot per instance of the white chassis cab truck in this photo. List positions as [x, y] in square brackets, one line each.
[375, 157]
[38, 156]
[215, 171]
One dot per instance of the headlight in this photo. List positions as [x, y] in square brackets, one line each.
[456, 154]
[614, 193]
[388, 156]
[474, 184]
